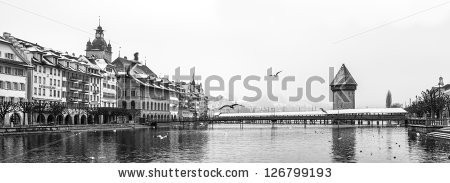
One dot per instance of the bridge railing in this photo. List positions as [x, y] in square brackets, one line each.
[429, 122]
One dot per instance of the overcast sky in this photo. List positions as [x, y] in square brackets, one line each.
[397, 45]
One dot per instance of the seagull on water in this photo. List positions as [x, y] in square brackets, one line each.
[162, 137]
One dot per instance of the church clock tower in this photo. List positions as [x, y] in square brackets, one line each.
[98, 47]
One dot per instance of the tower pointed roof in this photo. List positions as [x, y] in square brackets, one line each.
[343, 77]
[193, 78]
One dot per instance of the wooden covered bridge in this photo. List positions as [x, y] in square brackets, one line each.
[346, 116]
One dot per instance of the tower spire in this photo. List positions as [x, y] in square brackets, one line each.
[98, 20]
[193, 78]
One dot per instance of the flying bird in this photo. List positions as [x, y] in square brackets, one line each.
[323, 110]
[276, 75]
[230, 106]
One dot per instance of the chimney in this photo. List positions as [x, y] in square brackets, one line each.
[6, 35]
[136, 56]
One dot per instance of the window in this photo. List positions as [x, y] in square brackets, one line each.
[59, 72]
[7, 70]
[16, 86]
[43, 81]
[9, 56]
[133, 105]
[43, 92]
[1, 68]
[63, 94]
[50, 82]
[40, 69]
[2, 99]
[54, 82]
[59, 83]
[11, 99]
[50, 94]
[8, 85]
[22, 86]
[35, 90]
[51, 71]
[43, 69]
[133, 93]
[40, 79]
[54, 93]
[35, 79]
[18, 72]
[104, 85]
[1, 84]
[39, 91]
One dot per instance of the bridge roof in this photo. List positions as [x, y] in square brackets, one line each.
[384, 111]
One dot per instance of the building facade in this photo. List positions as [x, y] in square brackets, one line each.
[34, 73]
[14, 79]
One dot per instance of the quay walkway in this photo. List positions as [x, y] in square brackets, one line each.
[66, 128]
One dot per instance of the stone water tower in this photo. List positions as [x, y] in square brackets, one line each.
[343, 87]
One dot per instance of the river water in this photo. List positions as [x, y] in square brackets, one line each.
[229, 143]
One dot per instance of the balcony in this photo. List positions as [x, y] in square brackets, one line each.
[75, 78]
[95, 92]
[157, 97]
[74, 99]
[74, 88]
[85, 81]
[85, 90]
[85, 100]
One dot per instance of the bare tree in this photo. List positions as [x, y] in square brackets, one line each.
[40, 108]
[396, 105]
[5, 108]
[27, 108]
[56, 108]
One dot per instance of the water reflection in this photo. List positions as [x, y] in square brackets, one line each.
[228, 143]
[343, 144]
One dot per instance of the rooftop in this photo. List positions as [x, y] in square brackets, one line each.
[343, 77]
[320, 113]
